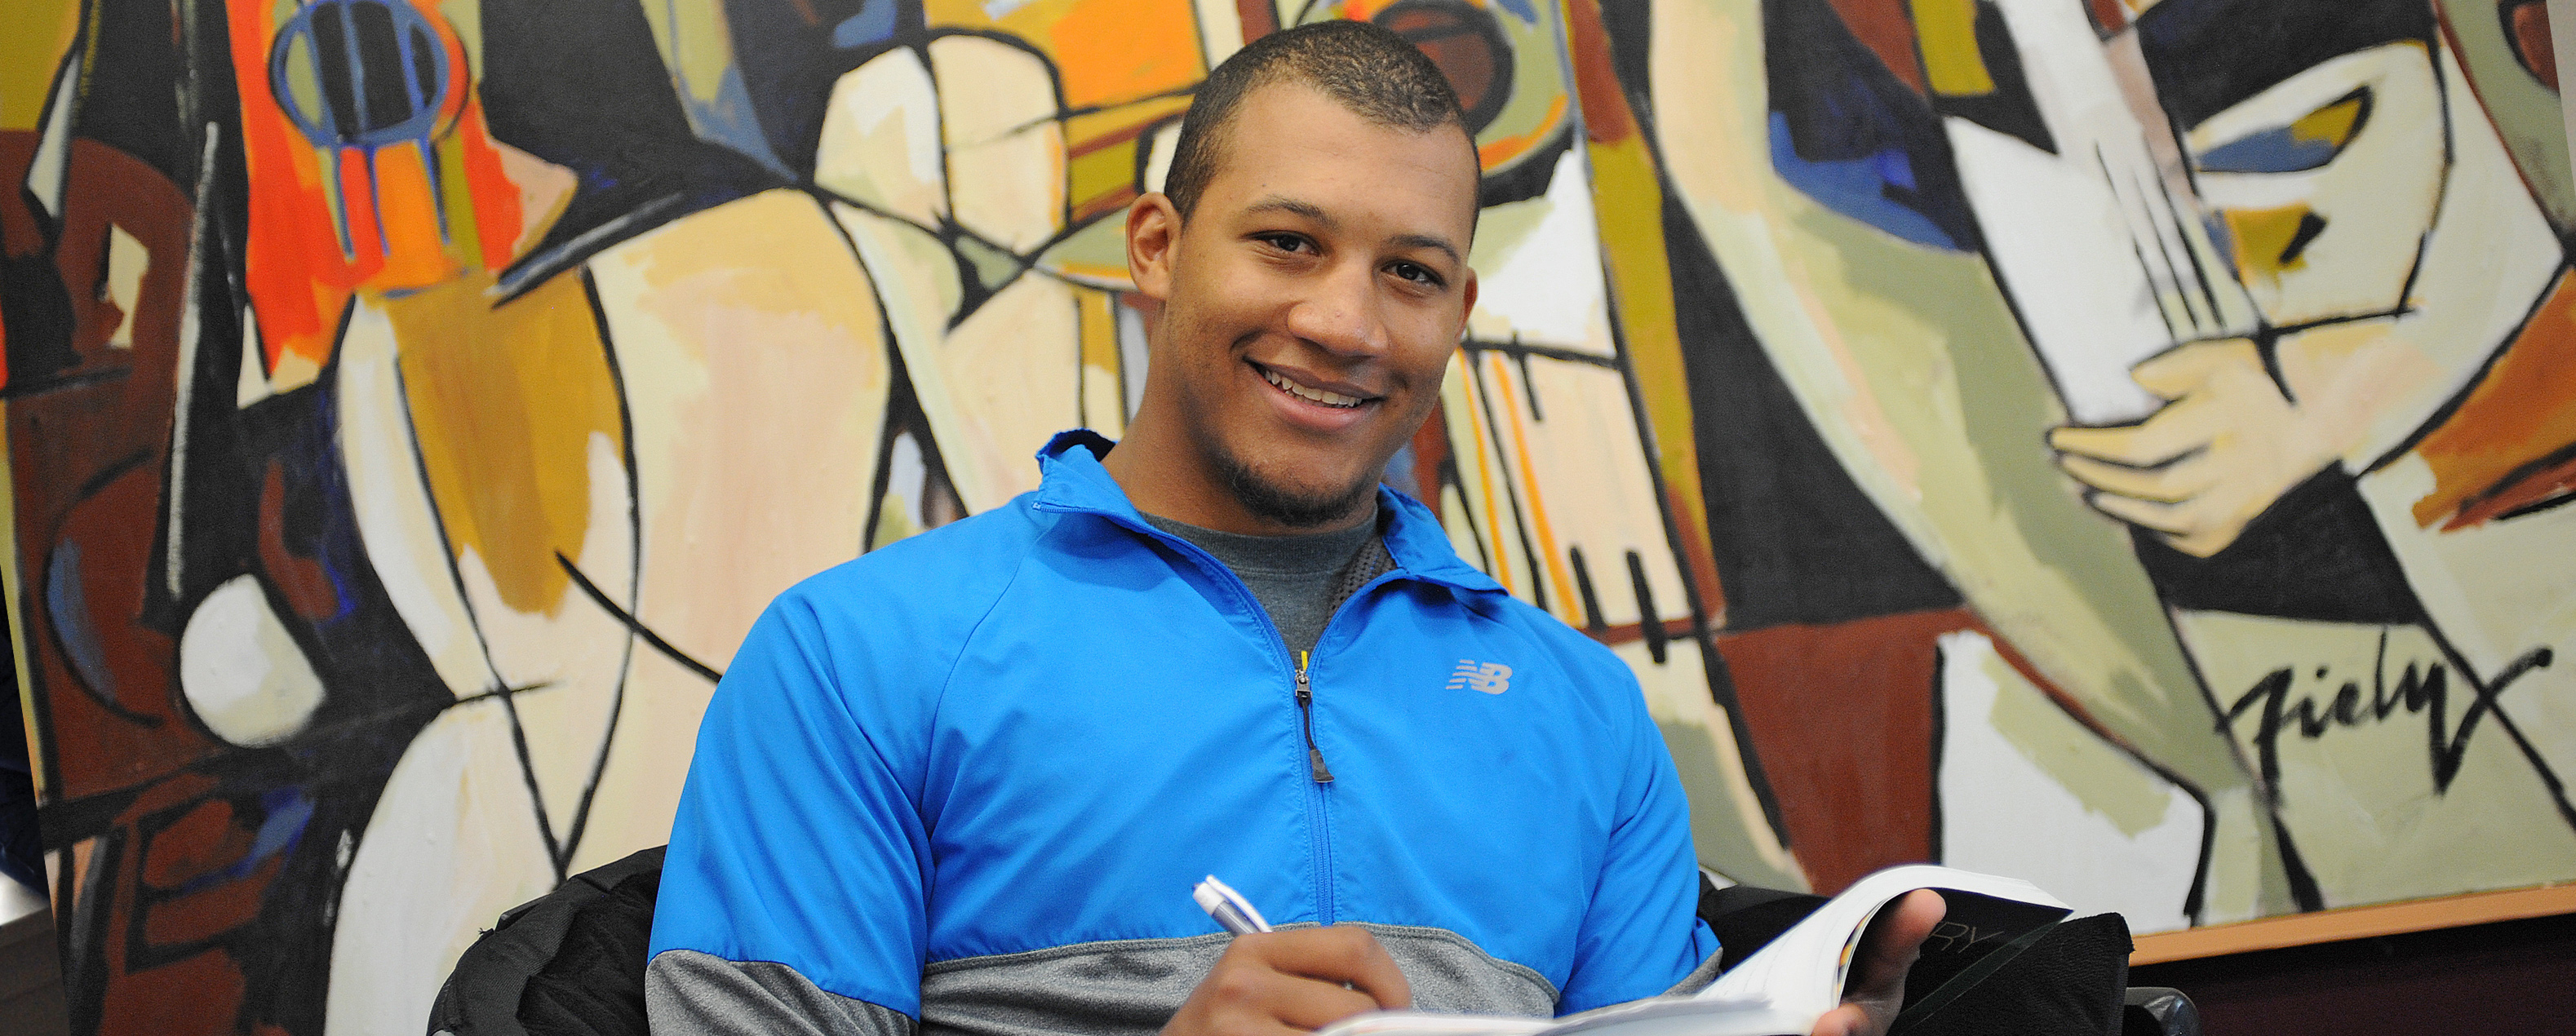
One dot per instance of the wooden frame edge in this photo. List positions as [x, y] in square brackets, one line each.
[2359, 922]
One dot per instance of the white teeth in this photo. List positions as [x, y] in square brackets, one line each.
[1302, 392]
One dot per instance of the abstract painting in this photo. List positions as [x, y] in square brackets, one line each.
[2113, 442]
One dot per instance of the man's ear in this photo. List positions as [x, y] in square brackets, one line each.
[1468, 305]
[1153, 235]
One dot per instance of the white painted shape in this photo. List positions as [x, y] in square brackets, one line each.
[997, 111]
[1220, 29]
[880, 143]
[2489, 257]
[2060, 246]
[1160, 146]
[2093, 242]
[252, 385]
[1550, 288]
[46, 172]
[452, 843]
[2002, 813]
[241, 672]
[1133, 356]
[1010, 368]
[2376, 197]
[389, 496]
[126, 259]
[18, 900]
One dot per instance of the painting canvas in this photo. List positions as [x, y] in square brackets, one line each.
[2117, 443]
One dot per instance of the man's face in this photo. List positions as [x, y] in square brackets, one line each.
[1310, 303]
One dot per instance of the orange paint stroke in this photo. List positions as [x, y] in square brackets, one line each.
[1555, 573]
[1108, 51]
[1502, 563]
[2506, 446]
[1497, 152]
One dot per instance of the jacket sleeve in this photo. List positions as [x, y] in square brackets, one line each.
[794, 882]
[1642, 933]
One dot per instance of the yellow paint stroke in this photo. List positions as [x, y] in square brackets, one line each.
[2331, 125]
[15, 587]
[31, 52]
[2260, 236]
[504, 404]
[1946, 30]
[456, 198]
[1628, 208]
[1102, 173]
[1555, 576]
[1123, 122]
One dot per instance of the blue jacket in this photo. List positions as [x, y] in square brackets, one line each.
[1038, 727]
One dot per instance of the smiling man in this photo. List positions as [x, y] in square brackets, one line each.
[966, 782]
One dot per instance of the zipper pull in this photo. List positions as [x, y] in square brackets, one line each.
[1306, 713]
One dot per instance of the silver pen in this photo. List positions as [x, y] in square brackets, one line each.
[1228, 907]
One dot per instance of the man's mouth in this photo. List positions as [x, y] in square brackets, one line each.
[1302, 391]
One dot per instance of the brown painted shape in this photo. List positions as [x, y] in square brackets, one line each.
[1883, 27]
[1842, 718]
[87, 460]
[2529, 22]
[2502, 449]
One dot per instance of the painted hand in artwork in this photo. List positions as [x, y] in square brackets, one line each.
[2225, 445]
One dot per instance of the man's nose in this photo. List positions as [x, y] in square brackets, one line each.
[1344, 314]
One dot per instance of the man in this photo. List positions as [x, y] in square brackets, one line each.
[969, 779]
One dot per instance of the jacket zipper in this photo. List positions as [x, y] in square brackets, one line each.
[1306, 717]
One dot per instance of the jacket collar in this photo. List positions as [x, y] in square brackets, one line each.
[1074, 482]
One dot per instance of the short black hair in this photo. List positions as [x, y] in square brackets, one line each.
[1373, 73]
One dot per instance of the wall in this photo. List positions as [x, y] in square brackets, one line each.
[410, 404]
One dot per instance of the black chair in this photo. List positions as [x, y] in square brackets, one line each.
[571, 963]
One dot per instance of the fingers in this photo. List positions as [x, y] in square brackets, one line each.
[2173, 373]
[1341, 953]
[1295, 1001]
[1278, 983]
[1895, 938]
[1887, 951]
[1847, 1020]
[2170, 484]
[2175, 519]
[2166, 435]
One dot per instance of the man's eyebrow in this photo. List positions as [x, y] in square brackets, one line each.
[1292, 206]
[1430, 241]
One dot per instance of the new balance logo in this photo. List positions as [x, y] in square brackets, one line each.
[1489, 677]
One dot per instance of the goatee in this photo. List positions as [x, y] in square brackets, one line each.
[1297, 510]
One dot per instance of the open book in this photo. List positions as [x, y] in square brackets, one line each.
[1784, 987]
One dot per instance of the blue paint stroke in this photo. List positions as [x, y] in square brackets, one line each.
[1858, 187]
[68, 607]
[873, 24]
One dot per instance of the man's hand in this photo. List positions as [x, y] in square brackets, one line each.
[1272, 983]
[1887, 951]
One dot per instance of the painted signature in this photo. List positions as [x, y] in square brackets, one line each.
[2420, 688]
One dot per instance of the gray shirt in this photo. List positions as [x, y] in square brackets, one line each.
[1299, 579]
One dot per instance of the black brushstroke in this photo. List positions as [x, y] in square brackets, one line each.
[632, 623]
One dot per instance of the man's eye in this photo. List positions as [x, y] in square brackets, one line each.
[1417, 273]
[1286, 242]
